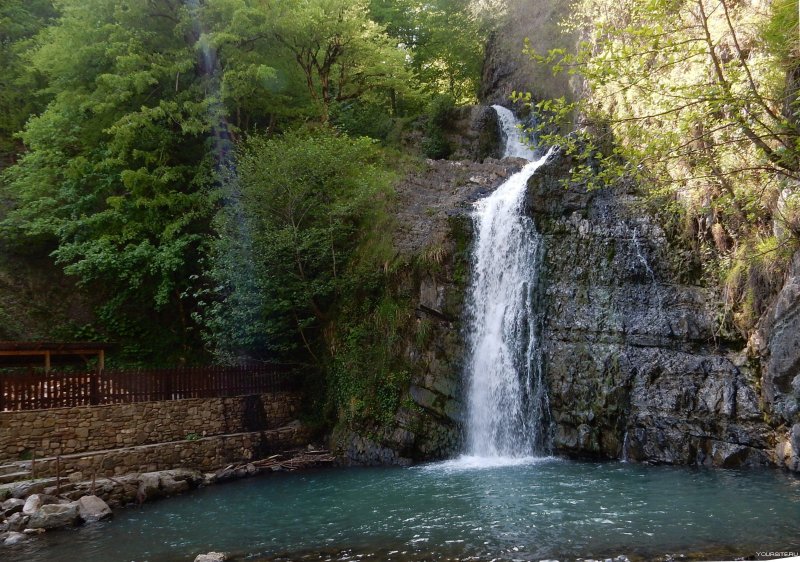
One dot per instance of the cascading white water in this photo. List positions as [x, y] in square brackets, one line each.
[515, 142]
[506, 398]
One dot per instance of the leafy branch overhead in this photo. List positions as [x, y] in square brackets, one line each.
[696, 99]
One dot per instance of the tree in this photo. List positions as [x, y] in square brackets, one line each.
[445, 41]
[120, 166]
[341, 52]
[19, 22]
[685, 97]
[685, 90]
[300, 208]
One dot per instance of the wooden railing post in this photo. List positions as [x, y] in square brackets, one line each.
[94, 387]
[58, 474]
[167, 382]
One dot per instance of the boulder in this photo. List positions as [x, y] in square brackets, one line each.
[54, 515]
[27, 487]
[13, 538]
[92, 509]
[11, 506]
[17, 522]
[172, 484]
[148, 487]
[32, 504]
[211, 557]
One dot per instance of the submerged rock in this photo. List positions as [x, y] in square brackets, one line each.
[13, 538]
[211, 557]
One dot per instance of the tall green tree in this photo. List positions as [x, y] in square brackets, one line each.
[302, 208]
[120, 164]
[342, 53]
[445, 40]
[20, 21]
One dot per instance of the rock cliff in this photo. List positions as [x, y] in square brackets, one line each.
[776, 344]
[508, 69]
[633, 364]
[432, 237]
[631, 354]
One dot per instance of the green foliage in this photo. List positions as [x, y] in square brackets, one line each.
[780, 32]
[751, 275]
[297, 210]
[301, 262]
[445, 41]
[122, 168]
[652, 111]
[688, 99]
[202, 170]
[118, 164]
[362, 119]
[20, 21]
[439, 111]
[367, 378]
[341, 52]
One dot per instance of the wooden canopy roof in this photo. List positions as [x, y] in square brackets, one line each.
[16, 353]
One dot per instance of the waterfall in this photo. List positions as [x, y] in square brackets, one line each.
[506, 397]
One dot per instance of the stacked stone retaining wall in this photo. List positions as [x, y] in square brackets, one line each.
[204, 454]
[66, 431]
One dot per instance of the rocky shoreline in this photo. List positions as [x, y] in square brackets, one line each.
[31, 507]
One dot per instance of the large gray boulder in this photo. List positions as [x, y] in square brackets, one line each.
[54, 515]
[92, 509]
[32, 504]
[11, 506]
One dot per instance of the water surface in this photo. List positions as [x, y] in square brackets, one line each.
[531, 509]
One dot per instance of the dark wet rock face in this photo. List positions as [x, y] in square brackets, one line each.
[474, 134]
[508, 69]
[777, 344]
[630, 349]
[629, 352]
[433, 235]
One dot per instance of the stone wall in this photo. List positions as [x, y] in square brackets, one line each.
[203, 454]
[64, 431]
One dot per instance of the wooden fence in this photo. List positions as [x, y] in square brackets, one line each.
[30, 390]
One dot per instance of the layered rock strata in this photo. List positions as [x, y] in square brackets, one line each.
[634, 365]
